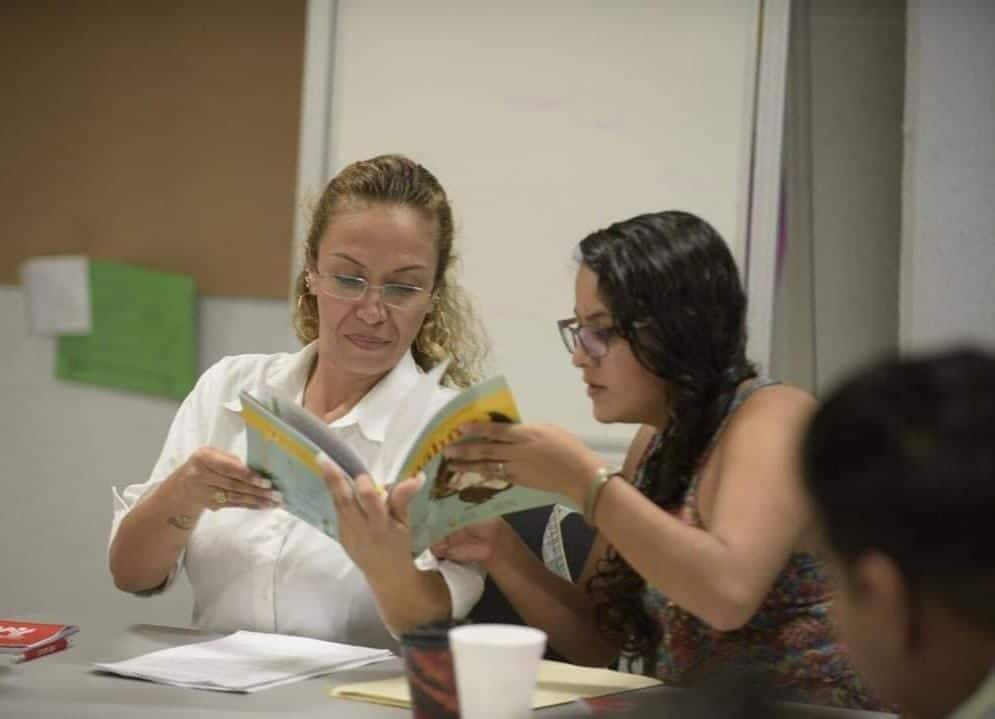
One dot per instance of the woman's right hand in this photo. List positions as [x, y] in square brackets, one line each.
[213, 479]
[480, 542]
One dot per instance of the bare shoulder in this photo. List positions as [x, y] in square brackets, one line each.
[775, 403]
[758, 451]
[771, 415]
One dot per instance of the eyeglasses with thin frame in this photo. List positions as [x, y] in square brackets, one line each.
[593, 340]
[398, 295]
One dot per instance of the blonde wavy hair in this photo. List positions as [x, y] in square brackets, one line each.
[450, 329]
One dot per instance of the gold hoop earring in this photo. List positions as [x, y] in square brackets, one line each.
[429, 325]
[419, 341]
[441, 323]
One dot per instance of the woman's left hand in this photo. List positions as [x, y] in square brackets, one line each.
[373, 525]
[542, 456]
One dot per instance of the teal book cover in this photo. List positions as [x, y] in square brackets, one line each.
[283, 440]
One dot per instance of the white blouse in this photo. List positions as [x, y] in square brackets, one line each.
[264, 569]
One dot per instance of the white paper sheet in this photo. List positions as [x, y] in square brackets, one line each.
[57, 291]
[245, 662]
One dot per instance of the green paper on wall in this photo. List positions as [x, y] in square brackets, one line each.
[143, 334]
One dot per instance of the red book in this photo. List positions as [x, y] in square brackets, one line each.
[20, 637]
[43, 651]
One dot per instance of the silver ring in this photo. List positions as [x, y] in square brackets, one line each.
[499, 471]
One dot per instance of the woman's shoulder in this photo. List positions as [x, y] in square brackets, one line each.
[770, 393]
[769, 398]
[772, 411]
[235, 369]
[226, 377]
[248, 364]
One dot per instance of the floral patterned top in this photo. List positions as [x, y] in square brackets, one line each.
[789, 639]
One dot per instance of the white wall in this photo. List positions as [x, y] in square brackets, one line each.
[545, 121]
[62, 447]
[948, 224]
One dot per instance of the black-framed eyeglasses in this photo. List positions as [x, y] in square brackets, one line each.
[352, 289]
[593, 340]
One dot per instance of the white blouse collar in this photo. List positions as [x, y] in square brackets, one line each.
[373, 412]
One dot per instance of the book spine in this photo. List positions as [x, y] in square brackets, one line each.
[42, 651]
[273, 433]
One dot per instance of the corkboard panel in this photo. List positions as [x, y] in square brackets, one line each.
[162, 134]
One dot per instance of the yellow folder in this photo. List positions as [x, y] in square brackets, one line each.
[558, 683]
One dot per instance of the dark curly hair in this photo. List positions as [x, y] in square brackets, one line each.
[675, 295]
[913, 434]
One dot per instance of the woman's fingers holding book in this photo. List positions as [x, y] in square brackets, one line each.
[373, 537]
[541, 456]
[492, 431]
[233, 498]
[441, 549]
[338, 484]
[475, 543]
[216, 479]
[370, 498]
[216, 492]
[399, 496]
[478, 450]
[226, 465]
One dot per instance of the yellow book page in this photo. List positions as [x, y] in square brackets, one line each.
[558, 683]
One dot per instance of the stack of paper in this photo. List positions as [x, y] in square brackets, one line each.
[245, 662]
[557, 683]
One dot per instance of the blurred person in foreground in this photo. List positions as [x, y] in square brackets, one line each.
[899, 463]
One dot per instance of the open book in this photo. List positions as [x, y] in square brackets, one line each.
[283, 438]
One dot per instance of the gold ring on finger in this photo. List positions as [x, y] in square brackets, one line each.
[220, 497]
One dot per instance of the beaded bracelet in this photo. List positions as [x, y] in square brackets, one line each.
[594, 490]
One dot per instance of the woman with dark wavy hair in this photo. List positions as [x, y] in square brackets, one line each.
[700, 565]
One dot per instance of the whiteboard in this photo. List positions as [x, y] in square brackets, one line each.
[545, 121]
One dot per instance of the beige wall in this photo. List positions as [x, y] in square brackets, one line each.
[838, 306]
